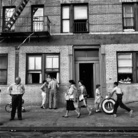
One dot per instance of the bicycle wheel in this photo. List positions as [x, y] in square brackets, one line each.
[8, 108]
[108, 106]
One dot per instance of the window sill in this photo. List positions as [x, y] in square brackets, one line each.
[128, 83]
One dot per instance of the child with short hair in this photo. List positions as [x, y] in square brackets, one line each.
[97, 98]
[119, 102]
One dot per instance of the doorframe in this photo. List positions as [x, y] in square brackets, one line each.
[77, 72]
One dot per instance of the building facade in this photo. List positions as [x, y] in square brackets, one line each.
[90, 40]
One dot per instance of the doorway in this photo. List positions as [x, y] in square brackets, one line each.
[86, 75]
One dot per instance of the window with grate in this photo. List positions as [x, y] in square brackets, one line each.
[74, 18]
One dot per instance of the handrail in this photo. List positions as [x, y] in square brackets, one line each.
[27, 24]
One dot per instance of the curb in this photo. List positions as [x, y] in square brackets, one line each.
[65, 129]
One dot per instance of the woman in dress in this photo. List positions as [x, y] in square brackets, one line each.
[71, 97]
[83, 97]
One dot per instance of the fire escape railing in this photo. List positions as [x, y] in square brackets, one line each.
[15, 15]
[27, 24]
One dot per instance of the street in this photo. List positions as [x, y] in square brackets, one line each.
[67, 135]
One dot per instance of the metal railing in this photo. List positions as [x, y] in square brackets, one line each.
[28, 24]
[80, 26]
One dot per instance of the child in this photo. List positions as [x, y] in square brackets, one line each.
[119, 102]
[97, 98]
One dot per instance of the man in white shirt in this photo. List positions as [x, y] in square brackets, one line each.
[53, 85]
[119, 102]
[16, 91]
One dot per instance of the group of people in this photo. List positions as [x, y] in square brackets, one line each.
[49, 93]
[75, 98]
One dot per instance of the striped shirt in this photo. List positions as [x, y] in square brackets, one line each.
[16, 89]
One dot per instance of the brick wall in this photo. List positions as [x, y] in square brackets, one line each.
[4, 97]
[130, 90]
[104, 15]
[33, 92]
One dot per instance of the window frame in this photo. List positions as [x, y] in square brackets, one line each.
[71, 14]
[134, 66]
[6, 55]
[43, 65]
[32, 21]
[4, 9]
[135, 15]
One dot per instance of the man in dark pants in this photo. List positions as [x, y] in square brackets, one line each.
[16, 90]
[119, 102]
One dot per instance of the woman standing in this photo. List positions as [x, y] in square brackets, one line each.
[83, 97]
[44, 89]
[71, 97]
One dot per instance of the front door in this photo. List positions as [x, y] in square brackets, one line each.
[86, 75]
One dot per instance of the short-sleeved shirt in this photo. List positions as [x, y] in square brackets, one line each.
[53, 85]
[16, 89]
[117, 90]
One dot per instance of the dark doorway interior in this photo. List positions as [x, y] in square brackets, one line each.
[86, 74]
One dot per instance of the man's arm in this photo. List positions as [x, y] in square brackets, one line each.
[23, 89]
[49, 85]
[9, 89]
[112, 92]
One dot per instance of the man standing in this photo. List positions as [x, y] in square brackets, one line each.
[53, 85]
[16, 90]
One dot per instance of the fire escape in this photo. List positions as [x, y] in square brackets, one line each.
[23, 26]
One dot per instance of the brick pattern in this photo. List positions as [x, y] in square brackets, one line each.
[101, 13]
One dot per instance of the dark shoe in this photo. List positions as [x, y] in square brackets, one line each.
[65, 116]
[50, 108]
[11, 119]
[79, 115]
[55, 108]
[19, 118]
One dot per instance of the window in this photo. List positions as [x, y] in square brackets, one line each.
[52, 66]
[130, 16]
[75, 18]
[3, 69]
[128, 67]
[7, 14]
[34, 72]
[38, 18]
[40, 66]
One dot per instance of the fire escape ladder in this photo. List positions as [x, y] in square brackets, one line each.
[15, 15]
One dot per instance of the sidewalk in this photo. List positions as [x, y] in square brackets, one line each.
[37, 117]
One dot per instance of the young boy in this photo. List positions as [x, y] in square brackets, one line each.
[119, 102]
[97, 98]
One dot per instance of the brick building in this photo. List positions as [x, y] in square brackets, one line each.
[92, 40]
